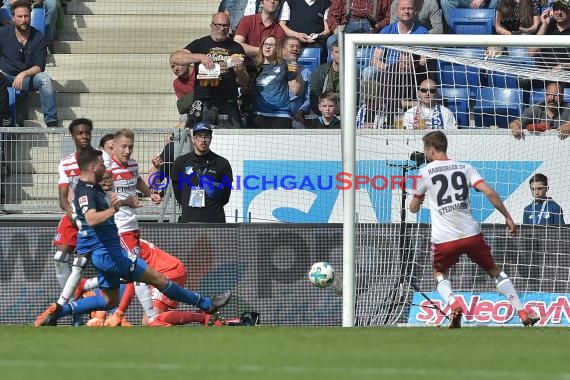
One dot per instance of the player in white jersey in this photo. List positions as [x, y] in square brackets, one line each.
[454, 231]
[65, 238]
[126, 182]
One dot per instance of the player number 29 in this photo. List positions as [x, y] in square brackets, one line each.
[459, 187]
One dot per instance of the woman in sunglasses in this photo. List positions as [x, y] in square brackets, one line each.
[428, 113]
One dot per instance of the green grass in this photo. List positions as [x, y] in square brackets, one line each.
[283, 353]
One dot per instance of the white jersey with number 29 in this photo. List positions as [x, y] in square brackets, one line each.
[446, 184]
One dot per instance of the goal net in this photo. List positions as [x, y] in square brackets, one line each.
[485, 83]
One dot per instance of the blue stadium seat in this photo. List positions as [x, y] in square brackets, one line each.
[5, 14]
[454, 74]
[457, 100]
[472, 21]
[567, 95]
[497, 106]
[12, 93]
[310, 58]
[502, 80]
[38, 19]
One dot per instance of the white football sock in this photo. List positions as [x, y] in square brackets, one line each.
[444, 290]
[91, 283]
[143, 294]
[506, 287]
[62, 269]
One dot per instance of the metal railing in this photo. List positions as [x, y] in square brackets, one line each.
[30, 157]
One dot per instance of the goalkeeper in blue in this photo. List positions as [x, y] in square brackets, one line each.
[454, 231]
[98, 239]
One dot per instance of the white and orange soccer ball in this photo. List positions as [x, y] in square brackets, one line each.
[321, 274]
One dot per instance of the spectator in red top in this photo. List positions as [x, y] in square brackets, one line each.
[358, 16]
[255, 28]
[183, 88]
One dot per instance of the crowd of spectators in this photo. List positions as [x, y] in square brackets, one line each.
[391, 84]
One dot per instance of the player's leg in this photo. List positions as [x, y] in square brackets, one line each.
[165, 307]
[143, 273]
[109, 282]
[480, 253]
[445, 255]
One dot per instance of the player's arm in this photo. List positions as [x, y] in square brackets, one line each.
[63, 191]
[496, 201]
[147, 192]
[95, 218]
[416, 203]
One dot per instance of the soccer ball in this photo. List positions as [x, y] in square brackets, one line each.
[321, 274]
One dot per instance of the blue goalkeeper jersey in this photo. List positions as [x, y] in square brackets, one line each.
[543, 213]
[106, 235]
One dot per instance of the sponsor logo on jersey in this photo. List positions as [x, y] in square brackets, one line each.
[83, 201]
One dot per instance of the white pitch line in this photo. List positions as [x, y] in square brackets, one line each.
[254, 368]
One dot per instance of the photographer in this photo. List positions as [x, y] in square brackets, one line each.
[202, 180]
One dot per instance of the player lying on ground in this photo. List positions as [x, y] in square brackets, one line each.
[454, 231]
[162, 310]
[99, 241]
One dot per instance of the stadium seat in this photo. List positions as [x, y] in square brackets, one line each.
[536, 96]
[472, 21]
[497, 106]
[567, 95]
[457, 100]
[12, 92]
[5, 14]
[454, 74]
[310, 58]
[38, 19]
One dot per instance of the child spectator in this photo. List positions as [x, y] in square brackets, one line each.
[543, 210]
[328, 104]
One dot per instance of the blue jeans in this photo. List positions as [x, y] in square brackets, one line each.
[42, 83]
[353, 26]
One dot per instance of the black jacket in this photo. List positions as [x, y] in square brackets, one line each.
[187, 172]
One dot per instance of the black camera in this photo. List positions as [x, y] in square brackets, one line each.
[418, 157]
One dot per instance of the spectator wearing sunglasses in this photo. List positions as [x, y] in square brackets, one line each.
[23, 51]
[429, 113]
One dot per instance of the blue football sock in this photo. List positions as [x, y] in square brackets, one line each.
[178, 293]
[85, 305]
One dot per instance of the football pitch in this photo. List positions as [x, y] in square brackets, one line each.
[283, 353]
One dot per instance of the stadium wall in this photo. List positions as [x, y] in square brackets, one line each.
[266, 266]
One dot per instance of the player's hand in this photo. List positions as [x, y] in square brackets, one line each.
[115, 201]
[132, 202]
[511, 227]
[155, 198]
[157, 162]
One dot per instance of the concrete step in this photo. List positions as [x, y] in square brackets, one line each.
[116, 76]
[97, 61]
[132, 113]
[150, 125]
[159, 45]
[127, 21]
[135, 34]
[151, 86]
[107, 101]
[162, 7]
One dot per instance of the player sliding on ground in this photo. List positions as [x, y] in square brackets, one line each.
[98, 239]
[454, 231]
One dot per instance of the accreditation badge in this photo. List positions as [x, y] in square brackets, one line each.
[197, 198]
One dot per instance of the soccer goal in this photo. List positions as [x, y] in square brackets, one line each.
[485, 82]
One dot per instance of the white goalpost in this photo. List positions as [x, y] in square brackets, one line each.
[386, 251]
